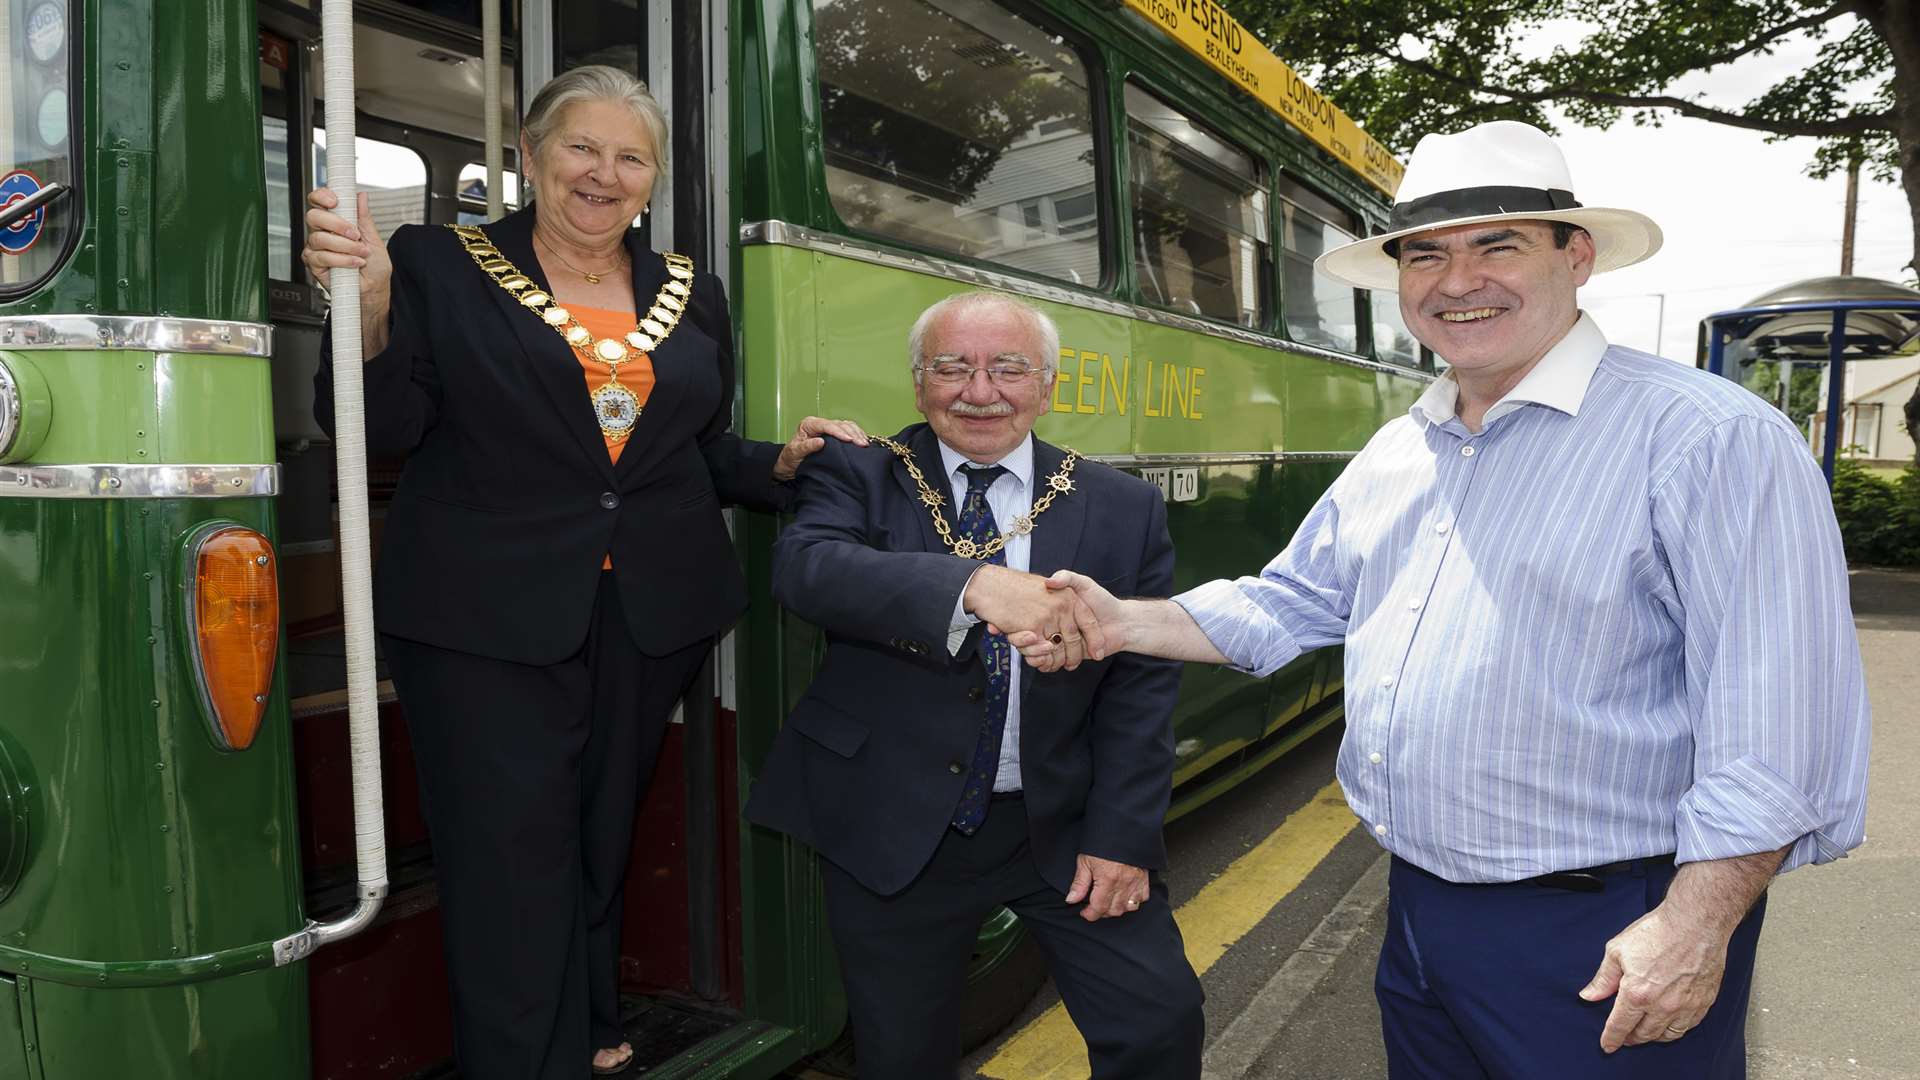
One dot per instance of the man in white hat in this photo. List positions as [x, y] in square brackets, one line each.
[1601, 678]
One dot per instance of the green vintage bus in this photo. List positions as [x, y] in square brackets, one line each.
[173, 758]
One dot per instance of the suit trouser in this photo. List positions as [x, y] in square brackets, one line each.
[1483, 981]
[530, 778]
[1125, 981]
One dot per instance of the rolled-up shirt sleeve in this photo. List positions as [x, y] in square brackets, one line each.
[1775, 687]
[1300, 601]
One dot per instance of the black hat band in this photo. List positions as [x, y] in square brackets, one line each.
[1444, 206]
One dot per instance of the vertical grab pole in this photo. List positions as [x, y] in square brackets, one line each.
[490, 98]
[1836, 391]
[350, 454]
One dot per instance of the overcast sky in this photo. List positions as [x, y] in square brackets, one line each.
[1739, 214]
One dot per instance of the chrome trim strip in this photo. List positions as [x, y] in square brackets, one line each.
[138, 481]
[1150, 461]
[10, 409]
[138, 333]
[782, 234]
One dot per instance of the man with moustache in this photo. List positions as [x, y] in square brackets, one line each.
[937, 777]
[1601, 678]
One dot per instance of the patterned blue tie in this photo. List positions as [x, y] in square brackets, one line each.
[976, 524]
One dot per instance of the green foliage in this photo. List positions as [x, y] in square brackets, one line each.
[1879, 518]
[1408, 67]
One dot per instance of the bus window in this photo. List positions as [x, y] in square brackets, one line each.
[279, 75]
[1199, 215]
[394, 178]
[1319, 310]
[1392, 341]
[610, 32]
[957, 126]
[473, 192]
[35, 147]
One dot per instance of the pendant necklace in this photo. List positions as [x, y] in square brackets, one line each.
[593, 278]
[615, 407]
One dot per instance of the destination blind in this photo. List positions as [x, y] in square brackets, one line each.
[1206, 30]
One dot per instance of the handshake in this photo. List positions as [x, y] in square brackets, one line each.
[1056, 622]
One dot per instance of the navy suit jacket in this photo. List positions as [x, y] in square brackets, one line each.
[509, 502]
[870, 764]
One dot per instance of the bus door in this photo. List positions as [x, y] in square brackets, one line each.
[379, 1004]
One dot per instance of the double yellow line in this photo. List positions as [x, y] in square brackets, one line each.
[1050, 1048]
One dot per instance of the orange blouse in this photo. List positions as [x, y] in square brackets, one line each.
[635, 374]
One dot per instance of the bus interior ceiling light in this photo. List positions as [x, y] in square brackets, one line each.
[235, 609]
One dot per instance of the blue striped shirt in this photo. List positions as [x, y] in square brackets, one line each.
[1614, 623]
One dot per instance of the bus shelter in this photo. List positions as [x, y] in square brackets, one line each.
[1794, 346]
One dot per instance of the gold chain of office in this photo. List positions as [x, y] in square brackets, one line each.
[1058, 484]
[615, 407]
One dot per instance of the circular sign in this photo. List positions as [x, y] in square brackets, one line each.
[53, 119]
[47, 31]
[19, 236]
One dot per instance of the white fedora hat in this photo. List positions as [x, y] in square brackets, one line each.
[1499, 171]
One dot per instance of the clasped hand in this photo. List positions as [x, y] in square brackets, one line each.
[1058, 628]
[1095, 612]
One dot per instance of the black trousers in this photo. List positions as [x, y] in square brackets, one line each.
[530, 778]
[1125, 981]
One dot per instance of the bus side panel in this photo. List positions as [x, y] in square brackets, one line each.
[147, 843]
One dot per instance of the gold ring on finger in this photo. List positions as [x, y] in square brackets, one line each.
[1055, 638]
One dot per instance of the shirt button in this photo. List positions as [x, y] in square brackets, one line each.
[609, 501]
[1375, 757]
[1413, 605]
[1468, 451]
[1443, 528]
[956, 768]
[1379, 830]
[1386, 680]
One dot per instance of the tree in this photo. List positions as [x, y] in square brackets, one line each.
[1407, 67]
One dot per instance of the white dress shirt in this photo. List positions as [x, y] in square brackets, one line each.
[1009, 496]
[1613, 623]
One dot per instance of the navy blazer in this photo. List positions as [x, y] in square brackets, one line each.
[870, 764]
[508, 502]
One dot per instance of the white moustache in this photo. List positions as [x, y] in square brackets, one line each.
[966, 408]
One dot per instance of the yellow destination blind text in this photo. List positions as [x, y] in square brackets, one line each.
[1094, 383]
[1204, 28]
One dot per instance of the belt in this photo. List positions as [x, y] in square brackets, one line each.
[1589, 879]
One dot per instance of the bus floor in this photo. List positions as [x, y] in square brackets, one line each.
[658, 1028]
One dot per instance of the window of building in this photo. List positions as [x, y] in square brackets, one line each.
[36, 138]
[959, 127]
[1318, 309]
[1199, 215]
[394, 178]
[473, 192]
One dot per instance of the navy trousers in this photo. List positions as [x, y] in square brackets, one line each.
[1125, 981]
[1484, 981]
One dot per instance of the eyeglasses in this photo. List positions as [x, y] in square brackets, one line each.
[955, 373]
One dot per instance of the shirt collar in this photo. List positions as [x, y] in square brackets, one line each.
[1559, 381]
[1019, 462]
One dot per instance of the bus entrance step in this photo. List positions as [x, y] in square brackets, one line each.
[674, 1040]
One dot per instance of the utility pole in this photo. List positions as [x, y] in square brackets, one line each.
[1853, 211]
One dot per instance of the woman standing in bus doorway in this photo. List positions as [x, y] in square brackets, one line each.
[554, 567]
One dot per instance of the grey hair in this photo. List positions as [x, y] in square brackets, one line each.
[595, 82]
[1038, 322]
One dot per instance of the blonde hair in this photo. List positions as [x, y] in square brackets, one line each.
[595, 82]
